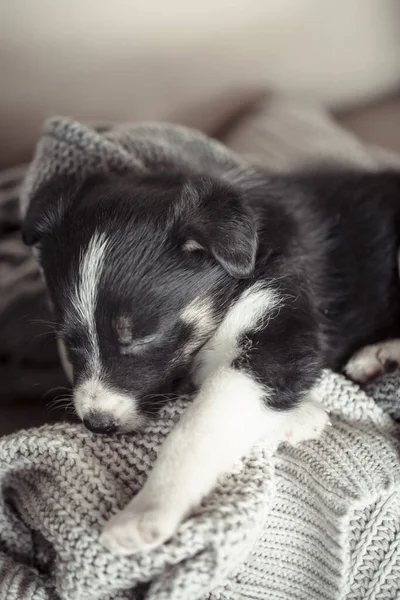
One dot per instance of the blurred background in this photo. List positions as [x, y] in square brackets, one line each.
[196, 62]
[201, 63]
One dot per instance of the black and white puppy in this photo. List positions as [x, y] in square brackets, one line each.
[249, 289]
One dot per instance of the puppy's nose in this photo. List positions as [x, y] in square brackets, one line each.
[100, 423]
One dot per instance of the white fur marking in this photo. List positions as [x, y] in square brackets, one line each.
[192, 245]
[248, 313]
[94, 396]
[199, 314]
[224, 422]
[371, 361]
[227, 418]
[85, 297]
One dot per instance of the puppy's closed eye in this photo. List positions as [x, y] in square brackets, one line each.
[129, 345]
[139, 345]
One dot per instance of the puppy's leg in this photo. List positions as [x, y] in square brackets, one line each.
[232, 411]
[225, 420]
[374, 360]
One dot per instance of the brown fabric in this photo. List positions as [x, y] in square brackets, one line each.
[376, 123]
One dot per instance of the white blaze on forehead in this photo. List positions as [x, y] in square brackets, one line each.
[84, 302]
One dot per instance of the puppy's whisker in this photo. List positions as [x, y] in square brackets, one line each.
[64, 402]
[47, 334]
[59, 388]
[169, 395]
[66, 394]
[59, 400]
[161, 398]
[62, 397]
[42, 322]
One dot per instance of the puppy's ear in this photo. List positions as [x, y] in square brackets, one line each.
[46, 208]
[218, 220]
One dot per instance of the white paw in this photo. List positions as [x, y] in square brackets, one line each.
[306, 422]
[371, 361]
[138, 527]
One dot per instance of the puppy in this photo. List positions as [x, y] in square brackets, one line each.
[250, 288]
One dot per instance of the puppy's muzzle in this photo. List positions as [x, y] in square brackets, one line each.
[98, 422]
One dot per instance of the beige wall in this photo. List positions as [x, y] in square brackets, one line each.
[185, 60]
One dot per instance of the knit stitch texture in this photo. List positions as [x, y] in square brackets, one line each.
[320, 521]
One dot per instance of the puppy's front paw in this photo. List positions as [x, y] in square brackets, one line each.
[371, 361]
[306, 422]
[138, 527]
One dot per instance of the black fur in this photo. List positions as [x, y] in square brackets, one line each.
[326, 242]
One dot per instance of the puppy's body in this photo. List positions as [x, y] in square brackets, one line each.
[342, 242]
[251, 285]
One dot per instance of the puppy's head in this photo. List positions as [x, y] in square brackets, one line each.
[136, 269]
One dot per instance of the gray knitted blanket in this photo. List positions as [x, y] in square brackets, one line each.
[319, 521]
